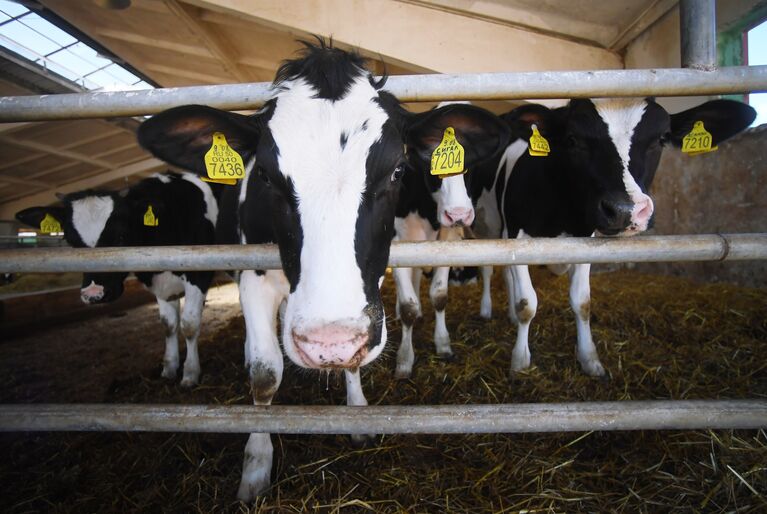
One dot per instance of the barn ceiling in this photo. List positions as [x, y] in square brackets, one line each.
[190, 42]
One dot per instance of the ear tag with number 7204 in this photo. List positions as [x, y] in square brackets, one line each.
[222, 162]
[448, 158]
[698, 140]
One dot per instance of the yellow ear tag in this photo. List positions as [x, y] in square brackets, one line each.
[698, 140]
[227, 181]
[149, 218]
[50, 225]
[222, 161]
[538, 145]
[448, 158]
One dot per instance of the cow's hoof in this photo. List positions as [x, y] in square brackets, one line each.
[594, 369]
[191, 381]
[169, 373]
[248, 492]
[448, 356]
[403, 373]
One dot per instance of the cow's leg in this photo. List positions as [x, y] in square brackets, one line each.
[260, 297]
[438, 295]
[191, 316]
[486, 306]
[410, 310]
[169, 317]
[580, 301]
[355, 397]
[523, 303]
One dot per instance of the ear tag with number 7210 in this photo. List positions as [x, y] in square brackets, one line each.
[222, 162]
[698, 140]
[448, 158]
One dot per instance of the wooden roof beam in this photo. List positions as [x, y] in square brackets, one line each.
[426, 38]
[219, 48]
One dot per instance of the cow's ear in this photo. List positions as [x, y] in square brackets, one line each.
[182, 136]
[525, 116]
[722, 118]
[33, 216]
[481, 133]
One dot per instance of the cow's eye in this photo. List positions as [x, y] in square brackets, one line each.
[399, 171]
[263, 175]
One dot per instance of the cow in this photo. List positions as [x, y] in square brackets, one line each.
[431, 208]
[165, 209]
[594, 181]
[323, 163]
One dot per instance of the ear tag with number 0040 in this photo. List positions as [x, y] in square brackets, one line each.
[538, 145]
[448, 158]
[222, 161]
[149, 218]
[49, 225]
[698, 140]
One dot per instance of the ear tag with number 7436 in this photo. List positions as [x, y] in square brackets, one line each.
[698, 140]
[448, 158]
[222, 162]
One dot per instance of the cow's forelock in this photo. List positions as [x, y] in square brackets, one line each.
[89, 217]
[323, 146]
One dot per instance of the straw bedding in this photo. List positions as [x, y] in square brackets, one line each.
[659, 337]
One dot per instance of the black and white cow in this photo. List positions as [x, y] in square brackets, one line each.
[428, 202]
[604, 154]
[324, 161]
[184, 211]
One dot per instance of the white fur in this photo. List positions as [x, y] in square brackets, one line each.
[191, 317]
[166, 284]
[169, 317]
[89, 217]
[329, 182]
[622, 115]
[452, 195]
[165, 179]
[211, 205]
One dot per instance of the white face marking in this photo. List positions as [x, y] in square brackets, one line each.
[452, 196]
[165, 179]
[622, 115]
[89, 217]
[211, 205]
[329, 182]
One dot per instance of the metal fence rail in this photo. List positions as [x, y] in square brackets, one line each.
[408, 88]
[389, 419]
[708, 247]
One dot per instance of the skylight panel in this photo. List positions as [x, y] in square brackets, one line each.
[35, 38]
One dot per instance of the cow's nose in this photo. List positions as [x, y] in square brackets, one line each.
[92, 293]
[331, 346]
[615, 213]
[459, 216]
[643, 209]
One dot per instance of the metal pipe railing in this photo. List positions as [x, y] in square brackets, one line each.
[697, 29]
[707, 247]
[389, 419]
[408, 88]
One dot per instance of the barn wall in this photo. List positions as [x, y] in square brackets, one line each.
[722, 191]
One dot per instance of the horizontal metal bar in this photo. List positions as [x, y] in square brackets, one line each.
[408, 88]
[495, 252]
[389, 419]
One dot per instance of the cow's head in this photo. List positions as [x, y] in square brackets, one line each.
[609, 149]
[456, 196]
[91, 219]
[330, 148]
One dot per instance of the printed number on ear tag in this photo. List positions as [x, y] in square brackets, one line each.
[698, 140]
[448, 158]
[149, 218]
[222, 161]
[538, 145]
[50, 225]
